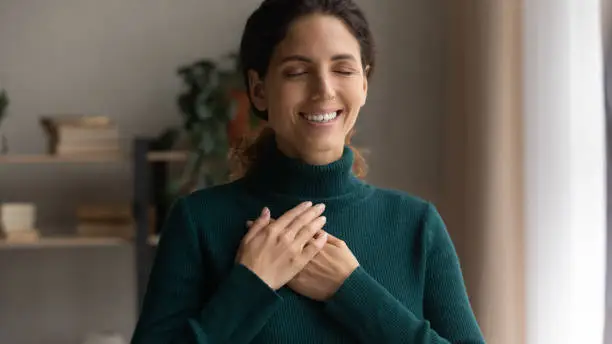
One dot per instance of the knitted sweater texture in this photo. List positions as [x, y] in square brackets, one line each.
[408, 289]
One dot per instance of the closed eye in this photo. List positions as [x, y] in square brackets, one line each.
[294, 75]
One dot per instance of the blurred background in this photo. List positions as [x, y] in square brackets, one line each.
[495, 110]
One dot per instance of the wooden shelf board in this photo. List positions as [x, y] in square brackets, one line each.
[167, 156]
[72, 241]
[64, 242]
[153, 156]
[49, 158]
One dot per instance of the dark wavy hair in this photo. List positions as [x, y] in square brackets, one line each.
[264, 30]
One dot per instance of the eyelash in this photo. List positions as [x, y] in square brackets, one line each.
[295, 75]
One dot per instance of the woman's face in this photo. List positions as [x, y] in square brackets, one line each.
[314, 88]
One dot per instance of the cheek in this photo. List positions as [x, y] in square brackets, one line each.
[353, 97]
[356, 94]
[286, 98]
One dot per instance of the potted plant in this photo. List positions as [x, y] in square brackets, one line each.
[4, 102]
[215, 110]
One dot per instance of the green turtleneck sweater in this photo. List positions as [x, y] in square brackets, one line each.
[408, 289]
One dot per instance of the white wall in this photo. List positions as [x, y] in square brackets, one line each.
[565, 233]
[606, 6]
[119, 58]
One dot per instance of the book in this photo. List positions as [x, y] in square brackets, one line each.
[74, 135]
[109, 220]
[105, 230]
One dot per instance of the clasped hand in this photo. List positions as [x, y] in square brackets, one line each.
[294, 250]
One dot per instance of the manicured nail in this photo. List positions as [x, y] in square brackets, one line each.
[320, 206]
[265, 212]
[324, 219]
[307, 204]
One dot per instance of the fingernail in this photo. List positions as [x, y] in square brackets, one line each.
[307, 204]
[249, 223]
[324, 219]
[265, 211]
[320, 206]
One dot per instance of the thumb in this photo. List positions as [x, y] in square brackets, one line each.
[333, 240]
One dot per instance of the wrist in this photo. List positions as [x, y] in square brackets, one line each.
[344, 276]
[261, 276]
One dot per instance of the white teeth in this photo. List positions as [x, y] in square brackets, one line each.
[321, 118]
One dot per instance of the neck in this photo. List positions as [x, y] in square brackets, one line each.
[311, 156]
[278, 173]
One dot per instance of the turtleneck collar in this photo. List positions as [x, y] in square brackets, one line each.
[279, 174]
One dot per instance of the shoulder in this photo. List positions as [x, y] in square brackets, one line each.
[397, 200]
[410, 209]
[212, 198]
[417, 213]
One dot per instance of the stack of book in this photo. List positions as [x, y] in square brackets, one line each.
[81, 135]
[18, 222]
[105, 221]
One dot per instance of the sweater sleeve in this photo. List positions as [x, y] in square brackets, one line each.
[369, 311]
[177, 310]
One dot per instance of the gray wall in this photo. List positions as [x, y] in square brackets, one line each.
[118, 58]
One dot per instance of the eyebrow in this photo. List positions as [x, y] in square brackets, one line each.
[306, 59]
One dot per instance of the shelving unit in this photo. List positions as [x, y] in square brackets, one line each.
[148, 170]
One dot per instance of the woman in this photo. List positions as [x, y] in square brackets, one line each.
[328, 258]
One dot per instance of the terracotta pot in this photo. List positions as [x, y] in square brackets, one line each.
[240, 125]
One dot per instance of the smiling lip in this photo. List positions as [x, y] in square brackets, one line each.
[323, 124]
[322, 111]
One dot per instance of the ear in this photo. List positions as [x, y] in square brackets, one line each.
[257, 91]
[366, 72]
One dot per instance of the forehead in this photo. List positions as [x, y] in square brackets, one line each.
[318, 36]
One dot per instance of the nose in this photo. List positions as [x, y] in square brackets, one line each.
[322, 87]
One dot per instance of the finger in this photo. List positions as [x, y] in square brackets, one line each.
[250, 222]
[319, 233]
[309, 231]
[303, 220]
[314, 246]
[333, 240]
[260, 223]
[290, 215]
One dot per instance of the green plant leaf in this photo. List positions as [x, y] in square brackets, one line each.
[4, 101]
[207, 142]
[166, 140]
[202, 108]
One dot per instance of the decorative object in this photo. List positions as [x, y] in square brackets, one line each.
[4, 102]
[104, 338]
[18, 222]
